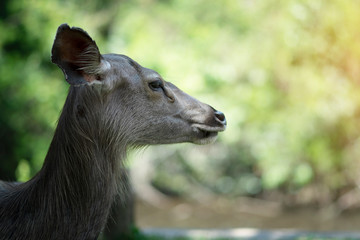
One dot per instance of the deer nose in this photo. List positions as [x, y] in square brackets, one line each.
[220, 117]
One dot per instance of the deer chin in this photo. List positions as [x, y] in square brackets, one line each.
[205, 134]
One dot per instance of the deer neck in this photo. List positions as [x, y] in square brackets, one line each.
[78, 180]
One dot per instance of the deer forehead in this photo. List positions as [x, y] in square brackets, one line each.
[121, 67]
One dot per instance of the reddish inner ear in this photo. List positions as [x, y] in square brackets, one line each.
[88, 78]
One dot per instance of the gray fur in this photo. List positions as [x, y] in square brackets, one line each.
[109, 109]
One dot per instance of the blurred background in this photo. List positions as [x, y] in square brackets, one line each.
[285, 73]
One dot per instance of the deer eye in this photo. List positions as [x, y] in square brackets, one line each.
[156, 85]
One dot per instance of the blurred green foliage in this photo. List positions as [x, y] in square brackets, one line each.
[285, 73]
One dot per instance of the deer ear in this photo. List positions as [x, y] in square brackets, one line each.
[76, 54]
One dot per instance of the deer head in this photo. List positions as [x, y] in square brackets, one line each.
[134, 104]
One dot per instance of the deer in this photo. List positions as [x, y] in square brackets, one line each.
[113, 105]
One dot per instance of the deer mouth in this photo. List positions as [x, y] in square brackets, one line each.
[206, 134]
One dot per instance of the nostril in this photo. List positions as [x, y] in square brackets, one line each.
[221, 117]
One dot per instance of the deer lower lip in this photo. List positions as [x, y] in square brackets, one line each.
[203, 136]
[206, 134]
